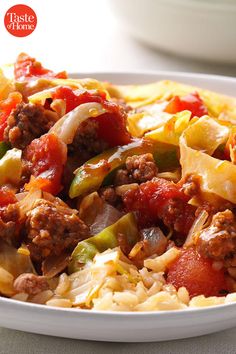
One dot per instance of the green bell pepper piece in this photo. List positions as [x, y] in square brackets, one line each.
[107, 238]
[100, 169]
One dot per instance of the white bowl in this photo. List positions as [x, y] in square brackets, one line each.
[193, 28]
[126, 326]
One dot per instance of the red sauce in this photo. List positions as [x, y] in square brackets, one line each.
[78, 97]
[191, 102]
[27, 67]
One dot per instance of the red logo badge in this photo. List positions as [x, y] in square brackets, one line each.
[20, 20]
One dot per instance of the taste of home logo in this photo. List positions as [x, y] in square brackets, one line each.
[20, 20]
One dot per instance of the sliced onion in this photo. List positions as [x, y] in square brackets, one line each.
[155, 241]
[20, 196]
[66, 127]
[196, 227]
[90, 206]
[106, 217]
[13, 261]
[26, 204]
[54, 265]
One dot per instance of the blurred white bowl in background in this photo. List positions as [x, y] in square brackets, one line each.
[199, 29]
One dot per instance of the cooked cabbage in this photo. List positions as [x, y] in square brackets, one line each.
[151, 117]
[218, 106]
[217, 176]
[171, 131]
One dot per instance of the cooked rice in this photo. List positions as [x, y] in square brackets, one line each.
[112, 283]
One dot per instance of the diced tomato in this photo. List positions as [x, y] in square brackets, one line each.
[47, 156]
[78, 97]
[7, 197]
[111, 125]
[195, 273]
[6, 107]
[191, 102]
[160, 199]
[27, 67]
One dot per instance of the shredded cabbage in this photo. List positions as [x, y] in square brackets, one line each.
[150, 118]
[206, 134]
[171, 131]
[217, 176]
[141, 95]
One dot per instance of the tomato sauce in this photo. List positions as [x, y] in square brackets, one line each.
[27, 67]
[191, 102]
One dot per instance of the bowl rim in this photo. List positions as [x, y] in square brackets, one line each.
[137, 72]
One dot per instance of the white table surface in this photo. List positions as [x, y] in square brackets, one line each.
[83, 36]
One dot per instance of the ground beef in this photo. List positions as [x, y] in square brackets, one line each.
[178, 215]
[9, 226]
[86, 143]
[52, 229]
[30, 284]
[191, 185]
[138, 169]
[108, 194]
[27, 122]
[218, 241]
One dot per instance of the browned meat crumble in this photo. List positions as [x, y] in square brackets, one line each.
[138, 169]
[27, 122]
[9, 228]
[51, 230]
[218, 241]
[86, 143]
